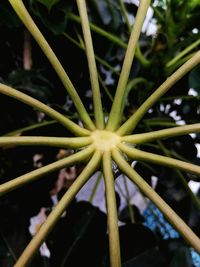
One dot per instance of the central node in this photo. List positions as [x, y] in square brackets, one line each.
[105, 140]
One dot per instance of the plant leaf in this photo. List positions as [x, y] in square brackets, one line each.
[48, 3]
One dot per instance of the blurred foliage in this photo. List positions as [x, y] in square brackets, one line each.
[83, 230]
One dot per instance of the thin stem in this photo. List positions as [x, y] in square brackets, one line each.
[131, 212]
[183, 53]
[158, 122]
[171, 216]
[132, 84]
[113, 38]
[100, 60]
[113, 231]
[105, 88]
[160, 160]
[63, 142]
[30, 127]
[132, 122]
[23, 14]
[101, 32]
[36, 174]
[11, 251]
[161, 134]
[124, 12]
[54, 216]
[116, 110]
[145, 62]
[94, 189]
[182, 179]
[70, 125]
[98, 110]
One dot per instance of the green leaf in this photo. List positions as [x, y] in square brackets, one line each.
[53, 16]
[7, 15]
[193, 3]
[32, 82]
[194, 79]
[48, 3]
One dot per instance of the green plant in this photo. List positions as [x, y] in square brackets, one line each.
[99, 143]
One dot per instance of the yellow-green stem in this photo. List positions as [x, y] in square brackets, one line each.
[136, 154]
[36, 174]
[116, 110]
[54, 216]
[145, 62]
[63, 142]
[171, 216]
[70, 125]
[132, 122]
[113, 231]
[98, 110]
[183, 53]
[23, 14]
[113, 38]
[161, 134]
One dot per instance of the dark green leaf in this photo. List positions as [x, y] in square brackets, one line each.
[7, 15]
[48, 3]
[55, 17]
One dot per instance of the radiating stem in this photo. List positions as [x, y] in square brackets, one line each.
[160, 160]
[171, 216]
[70, 125]
[63, 142]
[183, 53]
[36, 174]
[98, 110]
[132, 122]
[113, 38]
[116, 110]
[161, 134]
[23, 14]
[113, 231]
[54, 216]
[145, 62]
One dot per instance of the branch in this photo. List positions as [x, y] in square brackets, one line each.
[116, 110]
[113, 231]
[132, 122]
[161, 134]
[54, 216]
[160, 160]
[70, 125]
[171, 216]
[36, 174]
[23, 14]
[63, 142]
[98, 110]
